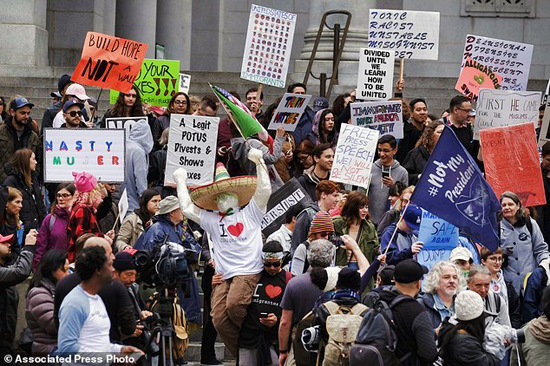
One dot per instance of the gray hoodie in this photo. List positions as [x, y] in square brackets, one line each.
[379, 193]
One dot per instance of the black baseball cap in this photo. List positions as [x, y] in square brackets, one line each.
[408, 271]
[68, 104]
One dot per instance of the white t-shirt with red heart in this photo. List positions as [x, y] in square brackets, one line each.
[236, 240]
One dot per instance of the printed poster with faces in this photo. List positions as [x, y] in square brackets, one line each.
[268, 46]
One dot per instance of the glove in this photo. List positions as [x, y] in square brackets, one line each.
[180, 175]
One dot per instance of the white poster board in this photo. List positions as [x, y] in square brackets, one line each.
[99, 152]
[123, 122]
[412, 34]
[123, 205]
[268, 46]
[501, 108]
[184, 83]
[289, 111]
[375, 77]
[511, 60]
[354, 155]
[386, 117]
[192, 145]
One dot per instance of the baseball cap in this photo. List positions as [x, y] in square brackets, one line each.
[63, 80]
[78, 91]
[56, 94]
[20, 102]
[408, 271]
[6, 238]
[68, 104]
[412, 216]
[320, 103]
[460, 253]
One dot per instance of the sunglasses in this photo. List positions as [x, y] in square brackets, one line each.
[326, 234]
[272, 264]
[75, 113]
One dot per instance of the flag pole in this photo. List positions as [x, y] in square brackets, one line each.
[259, 94]
[396, 227]
[401, 64]
[228, 113]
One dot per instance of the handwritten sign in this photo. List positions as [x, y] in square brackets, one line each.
[437, 233]
[99, 152]
[109, 62]
[375, 78]
[185, 82]
[268, 46]
[511, 60]
[475, 76]
[512, 162]
[386, 117]
[289, 111]
[428, 257]
[192, 145]
[412, 34]
[123, 122]
[157, 81]
[501, 108]
[354, 155]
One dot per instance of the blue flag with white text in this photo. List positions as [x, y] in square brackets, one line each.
[453, 188]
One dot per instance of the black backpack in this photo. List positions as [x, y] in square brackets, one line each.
[377, 340]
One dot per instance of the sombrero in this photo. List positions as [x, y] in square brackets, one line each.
[243, 187]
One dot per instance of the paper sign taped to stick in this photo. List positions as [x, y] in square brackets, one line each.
[268, 46]
[501, 108]
[99, 152]
[437, 233]
[354, 155]
[184, 83]
[511, 160]
[412, 34]
[511, 60]
[375, 79]
[157, 81]
[109, 62]
[192, 145]
[428, 257]
[123, 122]
[386, 117]
[475, 76]
[289, 111]
[123, 205]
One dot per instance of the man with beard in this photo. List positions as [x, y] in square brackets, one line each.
[72, 112]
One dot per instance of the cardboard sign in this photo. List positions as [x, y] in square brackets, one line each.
[511, 60]
[475, 76]
[109, 62]
[282, 200]
[428, 257]
[123, 205]
[354, 155]
[192, 145]
[289, 111]
[375, 79]
[157, 81]
[386, 117]
[268, 46]
[501, 108]
[184, 83]
[437, 233]
[512, 162]
[99, 152]
[412, 34]
[123, 122]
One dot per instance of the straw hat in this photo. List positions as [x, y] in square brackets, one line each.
[243, 187]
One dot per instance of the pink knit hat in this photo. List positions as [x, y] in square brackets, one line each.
[84, 182]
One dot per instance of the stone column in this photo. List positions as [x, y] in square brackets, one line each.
[137, 20]
[174, 30]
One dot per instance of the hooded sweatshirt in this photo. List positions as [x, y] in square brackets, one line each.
[537, 341]
[138, 146]
[378, 192]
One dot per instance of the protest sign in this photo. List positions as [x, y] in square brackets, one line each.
[123, 205]
[511, 60]
[289, 111]
[192, 145]
[123, 122]
[375, 79]
[386, 117]
[157, 81]
[475, 76]
[109, 62]
[268, 46]
[282, 200]
[412, 34]
[501, 108]
[184, 83]
[99, 152]
[511, 160]
[437, 233]
[429, 257]
[354, 155]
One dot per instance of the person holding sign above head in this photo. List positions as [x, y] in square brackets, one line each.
[72, 112]
[457, 119]
[127, 105]
[306, 121]
[418, 157]
[179, 104]
[403, 243]
[75, 92]
[413, 128]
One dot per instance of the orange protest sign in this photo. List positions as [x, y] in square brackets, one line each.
[109, 62]
[475, 76]
[511, 161]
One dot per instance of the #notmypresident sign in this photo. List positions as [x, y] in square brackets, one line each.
[354, 155]
[511, 160]
[192, 145]
[99, 152]
[289, 111]
[109, 62]
[268, 46]
[437, 233]
[475, 76]
[386, 117]
[375, 78]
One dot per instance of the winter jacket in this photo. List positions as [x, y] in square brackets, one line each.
[304, 125]
[367, 239]
[138, 146]
[415, 162]
[33, 211]
[536, 348]
[428, 301]
[107, 213]
[524, 250]
[389, 217]
[411, 136]
[130, 231]
[9, 143]
[532, 296]
[56, 238]
[160, 124]
[82, 220]
[379, 193]
[157, 168]
[400, 247]
[465, 349]
[39, 315]
[49, 115]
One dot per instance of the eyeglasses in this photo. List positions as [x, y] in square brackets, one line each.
[63, 195]
[495, 259]
[180, 102]
[75, 113]
[465, 110]
[272, 264]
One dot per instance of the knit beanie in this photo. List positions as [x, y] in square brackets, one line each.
[349, 279]
[468, 305]
[124, 261]
[321, 223]
[84, 182]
